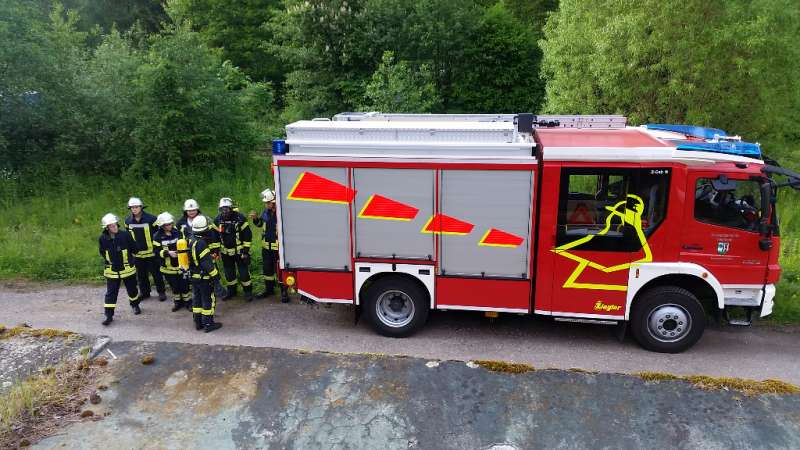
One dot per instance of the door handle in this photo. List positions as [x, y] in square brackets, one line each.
[693, 247]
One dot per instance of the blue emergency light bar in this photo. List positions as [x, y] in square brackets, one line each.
[715, 140]
[279, 147]
[729, 147]
[688, 130]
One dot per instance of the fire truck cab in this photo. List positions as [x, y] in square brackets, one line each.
[581, 218]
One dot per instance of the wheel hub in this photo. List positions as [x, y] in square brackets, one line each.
[669, 323]
[395, 308]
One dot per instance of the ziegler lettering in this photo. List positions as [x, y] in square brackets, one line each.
[600, 306]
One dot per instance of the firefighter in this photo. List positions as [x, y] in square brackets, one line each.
[203, 275]
[235, 237]
[117, 249]
[191, 209]
[269, 252]
[142, 227]
[165, 242]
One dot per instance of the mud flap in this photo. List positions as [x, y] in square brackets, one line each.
[620, 330]
[356, 314]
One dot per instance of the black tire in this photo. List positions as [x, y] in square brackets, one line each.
[659, 319]
[397, 291]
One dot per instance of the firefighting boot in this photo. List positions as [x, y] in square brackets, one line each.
[248, 293]
[284, 295]
[269, 289]
[230, 294]
[162, 296]
[198, 321]
[211, 325]
[136, 309]
[178, 305]
[109, 316]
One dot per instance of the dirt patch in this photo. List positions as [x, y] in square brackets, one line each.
[745, 386]
[29, 351]
[49, 400]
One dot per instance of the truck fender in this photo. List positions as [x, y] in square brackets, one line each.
[368, 270]
[642, 274]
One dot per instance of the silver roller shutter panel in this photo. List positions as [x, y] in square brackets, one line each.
[487, 199]
[383, 238]
[316, 235]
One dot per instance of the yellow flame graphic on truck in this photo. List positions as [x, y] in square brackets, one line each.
[631, 216]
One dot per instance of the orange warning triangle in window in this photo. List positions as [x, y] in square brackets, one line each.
[380, 207]
[500, 238]
[444, 224]
[311, 187]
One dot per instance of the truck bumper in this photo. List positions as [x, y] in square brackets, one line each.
[769, 300]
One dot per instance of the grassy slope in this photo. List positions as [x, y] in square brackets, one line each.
[54, 236]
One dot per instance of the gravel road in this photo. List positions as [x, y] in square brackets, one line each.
[759, 352]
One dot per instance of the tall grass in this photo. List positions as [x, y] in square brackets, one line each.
[52, 235]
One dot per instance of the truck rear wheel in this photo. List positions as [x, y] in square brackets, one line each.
[667, 319]
[396, 306]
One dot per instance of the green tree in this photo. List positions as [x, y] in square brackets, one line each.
[731, 64]
[501, 72]
[186, 113]
[238, 28]
[395, 87]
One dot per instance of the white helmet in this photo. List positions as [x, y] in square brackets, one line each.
[190, 204]
[199, 224]
[108, 219]
[164, 218]
[225, 201]
[267, 195]
[135, 201]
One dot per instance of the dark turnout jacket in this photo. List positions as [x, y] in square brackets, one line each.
[163, 243]
[234, 233]
[117, 252]
[268, 222]
[142, 231]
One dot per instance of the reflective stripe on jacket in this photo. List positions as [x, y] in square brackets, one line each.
[142, 231]
[117, 253]
[163, 243]
[201, 264]
[268, 222]
[234, 233]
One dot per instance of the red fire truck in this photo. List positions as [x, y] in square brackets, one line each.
[581, 218]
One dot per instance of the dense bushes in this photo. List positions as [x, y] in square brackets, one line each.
[134, 104]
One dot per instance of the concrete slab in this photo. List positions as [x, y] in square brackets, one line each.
[207, 396]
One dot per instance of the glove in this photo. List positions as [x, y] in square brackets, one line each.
[185, 274]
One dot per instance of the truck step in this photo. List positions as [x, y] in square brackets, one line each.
[746, 321]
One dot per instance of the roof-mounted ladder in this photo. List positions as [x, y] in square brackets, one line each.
[525, 121]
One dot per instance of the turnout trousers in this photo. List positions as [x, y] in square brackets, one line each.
[146, 267]
[204, 301]
[112, 291]
[233, 264]
[269, 264]
[179, 286]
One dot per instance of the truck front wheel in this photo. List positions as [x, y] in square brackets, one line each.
[396, 306]
[667, 319]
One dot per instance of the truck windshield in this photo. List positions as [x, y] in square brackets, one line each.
[733, 204]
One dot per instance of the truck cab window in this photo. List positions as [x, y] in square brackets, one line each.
[594, 201]
[728, 203]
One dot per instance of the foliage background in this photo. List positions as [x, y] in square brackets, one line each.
[104, 99]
